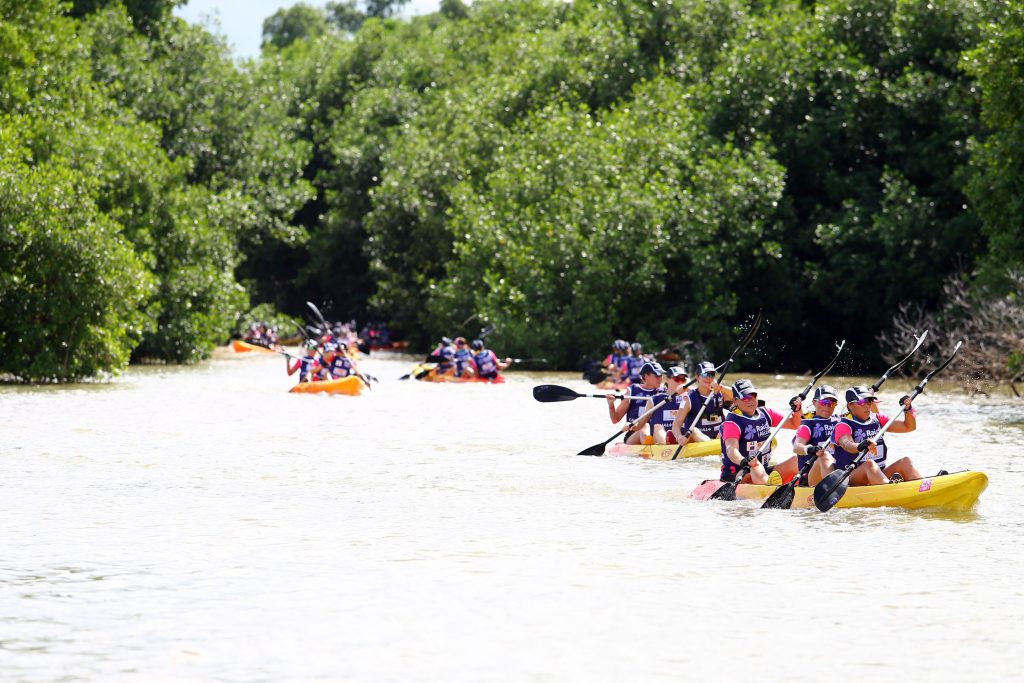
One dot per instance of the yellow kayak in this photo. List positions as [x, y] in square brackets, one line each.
[700, 449]
[350, 386]
[955, 491]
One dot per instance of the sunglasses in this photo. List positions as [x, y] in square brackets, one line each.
[748, 396]
[863, 401]
[707, 374]
[827, 402]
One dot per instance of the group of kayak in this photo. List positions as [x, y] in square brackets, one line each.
[740, 422]
[838, 452]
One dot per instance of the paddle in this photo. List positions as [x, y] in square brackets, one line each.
[885, 375]
[528, 360]
[598, 449]
[553, 393]
[830, 489]
[782, 498]
[724, 367]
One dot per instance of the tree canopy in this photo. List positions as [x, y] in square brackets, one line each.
[570, 172]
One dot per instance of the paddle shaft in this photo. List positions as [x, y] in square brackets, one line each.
[885, 375]
[724, 369]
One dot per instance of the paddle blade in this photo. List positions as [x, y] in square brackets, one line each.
[553, 393]
[727, 492]
[598, 449]
[405, 376]
[830, 489]
[782, 498]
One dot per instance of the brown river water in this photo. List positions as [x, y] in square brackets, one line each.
[200, 523]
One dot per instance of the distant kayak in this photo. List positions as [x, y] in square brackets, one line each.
[425, 373]
[244, 347]
[350, 386]
[955, 491]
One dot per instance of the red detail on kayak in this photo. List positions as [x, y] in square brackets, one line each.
[705, 489]
[926, 485]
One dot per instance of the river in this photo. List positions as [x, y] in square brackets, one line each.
[202, 524]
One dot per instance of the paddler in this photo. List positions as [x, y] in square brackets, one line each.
[633, 362]
[336, 362]
[614, 364]
[463, 358]
[662, 419]
[707, 390]
[486, 362]
[744, 430]
[813, 440]
[651, 375]
[856, 431]
[303, 364]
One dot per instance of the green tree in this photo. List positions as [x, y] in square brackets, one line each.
[997, 174]
[298, 22]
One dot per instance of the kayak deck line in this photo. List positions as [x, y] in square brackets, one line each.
[954, 491]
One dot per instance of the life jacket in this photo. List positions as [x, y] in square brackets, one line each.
[666, 414]
[821, 429]
[463, 357]
[861, 431]
[486, 364]
[341, 366]
[637, 408]
[754, 429]
[711, 421]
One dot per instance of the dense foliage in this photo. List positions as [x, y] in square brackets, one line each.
[570, 172]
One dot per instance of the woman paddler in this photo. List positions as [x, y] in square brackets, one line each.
[336, 362]
[857, 429]
[464, 365]
[813, 440]
[486, 362]
[649, 387]
[663, 418]
[744, 431]
[304, 364]
[707, 389]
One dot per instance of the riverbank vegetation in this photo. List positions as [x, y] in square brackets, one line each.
[569, 172]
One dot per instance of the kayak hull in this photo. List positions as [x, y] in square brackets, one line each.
[700, 449]
[244, 347]
[955, 491]
[348, 386]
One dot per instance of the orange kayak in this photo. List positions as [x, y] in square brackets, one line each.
[349, 386]
[243, 347]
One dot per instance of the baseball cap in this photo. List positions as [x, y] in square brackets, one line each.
[825, 391]
[706, 367]
[677, 371]
[857, 393]
[743, 388]
[651, 367]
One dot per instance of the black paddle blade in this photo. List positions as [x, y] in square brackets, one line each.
[726, 492]
[830, 489]
[598, 449]
[781, 498]
[552, 393]
[405, 376]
